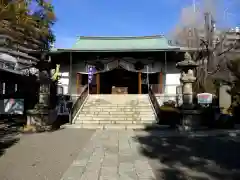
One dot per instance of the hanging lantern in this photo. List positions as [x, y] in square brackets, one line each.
[138, 65]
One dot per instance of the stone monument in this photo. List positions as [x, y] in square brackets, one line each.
[190, 116]
[225, 98]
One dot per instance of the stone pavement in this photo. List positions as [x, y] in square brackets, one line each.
[41, 156]
[110, 155]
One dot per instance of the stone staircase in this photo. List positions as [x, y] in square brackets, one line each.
[115, 111]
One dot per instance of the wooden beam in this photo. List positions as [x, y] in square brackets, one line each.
[78, 83]
[98, 82]
[160, 82]
[139, 83]
[70, 75]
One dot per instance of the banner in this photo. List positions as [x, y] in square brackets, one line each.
[91, 71]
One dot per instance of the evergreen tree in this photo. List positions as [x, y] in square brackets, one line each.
[28, 28]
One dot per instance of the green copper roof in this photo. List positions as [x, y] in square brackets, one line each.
[122, 43]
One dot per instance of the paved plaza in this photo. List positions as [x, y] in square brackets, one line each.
[41, 156]
[110, 155]
[81, 154]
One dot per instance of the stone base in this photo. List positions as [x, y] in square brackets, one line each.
[37, 121]
[190, 120]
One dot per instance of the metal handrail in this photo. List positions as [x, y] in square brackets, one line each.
[164, 88]
[154, 102]
[78, 103]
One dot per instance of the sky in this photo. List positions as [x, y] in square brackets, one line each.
[122, 18]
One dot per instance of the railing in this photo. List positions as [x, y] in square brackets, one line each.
[154, 102]
[78, 103]
[157, 88]
[167, 92]
[164, 88]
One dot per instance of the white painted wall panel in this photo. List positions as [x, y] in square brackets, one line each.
[172, 81]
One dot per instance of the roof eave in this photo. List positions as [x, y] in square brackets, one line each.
[113, 50]
[12, 71]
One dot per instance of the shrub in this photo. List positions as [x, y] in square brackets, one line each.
[169, 114]
[170, 103]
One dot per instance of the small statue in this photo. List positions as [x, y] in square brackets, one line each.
[56, 73]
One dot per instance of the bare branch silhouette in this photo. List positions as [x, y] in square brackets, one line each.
[197, 29]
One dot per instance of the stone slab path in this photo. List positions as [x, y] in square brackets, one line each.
[110, 155]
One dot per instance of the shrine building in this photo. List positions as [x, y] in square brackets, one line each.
[119, 65]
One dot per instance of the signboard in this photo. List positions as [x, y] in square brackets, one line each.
[204, 98]
[13, 106]
[91, 71]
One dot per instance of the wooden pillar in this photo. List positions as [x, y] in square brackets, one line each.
[139, 83]
[70, 75]
[160, 82]
[78, 83]
[98, 82]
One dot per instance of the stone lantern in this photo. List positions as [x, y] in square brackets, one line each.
[39, 118]
[190, 116]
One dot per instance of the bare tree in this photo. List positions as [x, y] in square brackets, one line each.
[197, 31]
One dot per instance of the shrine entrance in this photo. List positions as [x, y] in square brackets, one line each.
[119, 81]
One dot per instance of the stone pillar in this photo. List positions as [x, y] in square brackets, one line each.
[44, 94]
[225, 98]
[139, 83]
[187, 89]
[44, 89]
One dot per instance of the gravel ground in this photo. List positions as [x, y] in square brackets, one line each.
[44, 156]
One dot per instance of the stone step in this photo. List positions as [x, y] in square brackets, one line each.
[117, 106]
[89, 118]
[96, 114]
[146, 111]
[110, 126]
[139, 104]
[115, 118]
[118, 100]
[113, 122]
[118, 113]
[114, 111]
[119, 96]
